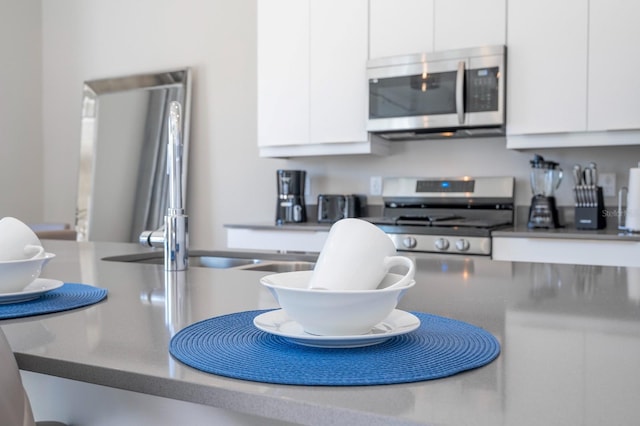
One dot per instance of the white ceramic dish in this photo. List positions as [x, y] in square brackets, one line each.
[15, 275]
[334, 312]
[280, 324]
[34, 290]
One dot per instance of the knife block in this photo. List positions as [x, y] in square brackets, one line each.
[592, 217]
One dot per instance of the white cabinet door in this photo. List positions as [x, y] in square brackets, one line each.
[581, 251]
[614, 86]
[312, 85]
[547, 66]
[283, 72]
[400, 27]
[338, 63]
[469, 23]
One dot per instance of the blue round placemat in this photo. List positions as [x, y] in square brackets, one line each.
[69, 296]
[231, 346]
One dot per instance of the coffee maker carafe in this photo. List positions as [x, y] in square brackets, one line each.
[546, 177]
[290, 206]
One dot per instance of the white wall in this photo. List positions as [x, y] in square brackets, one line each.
[21, 173]
[88, 39]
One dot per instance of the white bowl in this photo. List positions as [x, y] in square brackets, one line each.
[334, 312]
[15, 275]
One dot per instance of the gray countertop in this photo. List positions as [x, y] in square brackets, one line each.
[611, 233]
[570, 339]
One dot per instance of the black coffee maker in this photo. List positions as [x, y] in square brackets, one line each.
[290, 206]
[546, 177]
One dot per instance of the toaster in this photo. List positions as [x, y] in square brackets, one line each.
[333, 207]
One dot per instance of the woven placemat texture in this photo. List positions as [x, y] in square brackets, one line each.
[69, 296]
[231, 346]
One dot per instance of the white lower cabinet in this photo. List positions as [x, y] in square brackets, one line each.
[567, 250]
[276, 240]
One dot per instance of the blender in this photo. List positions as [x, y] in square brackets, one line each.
[545, 180]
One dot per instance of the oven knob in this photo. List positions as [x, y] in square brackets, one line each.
[462, 245]
[442, 244]
[409, 242]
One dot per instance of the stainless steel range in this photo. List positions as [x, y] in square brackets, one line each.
[445, 215]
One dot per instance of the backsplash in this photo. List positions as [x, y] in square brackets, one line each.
[473, 157]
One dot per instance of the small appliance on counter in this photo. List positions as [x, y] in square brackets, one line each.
[590, 212]
[546, 177]
[333, 207]
[290, 206]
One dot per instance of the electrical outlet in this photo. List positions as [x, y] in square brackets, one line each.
[608, 183]
[375, 185]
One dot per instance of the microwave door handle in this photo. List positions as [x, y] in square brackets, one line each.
[460, 92]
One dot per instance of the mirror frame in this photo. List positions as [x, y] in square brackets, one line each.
[92, 91]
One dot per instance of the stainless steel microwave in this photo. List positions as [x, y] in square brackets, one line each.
[457, 93]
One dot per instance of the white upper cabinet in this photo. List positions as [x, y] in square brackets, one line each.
[572, 73]
[312, 87]
[614, 59]
[399, 27]
[283, 72]
[547, 66]
[338, 83]
[469, 23]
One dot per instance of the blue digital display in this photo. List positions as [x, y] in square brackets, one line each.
[444, 184]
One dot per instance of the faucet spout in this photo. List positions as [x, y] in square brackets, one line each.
[176, 232]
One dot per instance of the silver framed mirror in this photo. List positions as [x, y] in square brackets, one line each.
[122, 181]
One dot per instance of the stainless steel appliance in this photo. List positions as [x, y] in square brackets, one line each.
[546, 177]
[441, 94]
[291, 204]
[333, 207]
[445, 215]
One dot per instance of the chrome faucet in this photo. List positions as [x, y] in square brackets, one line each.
[174, 235]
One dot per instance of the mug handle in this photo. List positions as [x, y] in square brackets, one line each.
[390, 261]
[38, 251]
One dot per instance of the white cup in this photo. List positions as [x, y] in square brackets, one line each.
[18, 241]
[356, 256]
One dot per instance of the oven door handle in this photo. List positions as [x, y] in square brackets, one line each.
[460, 92]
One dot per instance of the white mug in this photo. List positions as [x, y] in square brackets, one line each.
[356, 256]
[18, 241]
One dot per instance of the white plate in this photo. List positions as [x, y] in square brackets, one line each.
[278, 322]
[34, 290]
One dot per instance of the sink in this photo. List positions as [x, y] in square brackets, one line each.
[248, 261]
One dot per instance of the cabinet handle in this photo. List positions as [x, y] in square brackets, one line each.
[460, 92]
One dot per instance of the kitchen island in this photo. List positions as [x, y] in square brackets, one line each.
[569, 334]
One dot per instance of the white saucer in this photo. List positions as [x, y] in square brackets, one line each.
[34, 290]
[278, 322]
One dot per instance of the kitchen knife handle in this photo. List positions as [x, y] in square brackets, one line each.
[460, 92]
[594, 173]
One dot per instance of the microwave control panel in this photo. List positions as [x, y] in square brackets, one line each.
[482, 89]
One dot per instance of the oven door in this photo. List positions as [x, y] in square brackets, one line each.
[411, 95]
